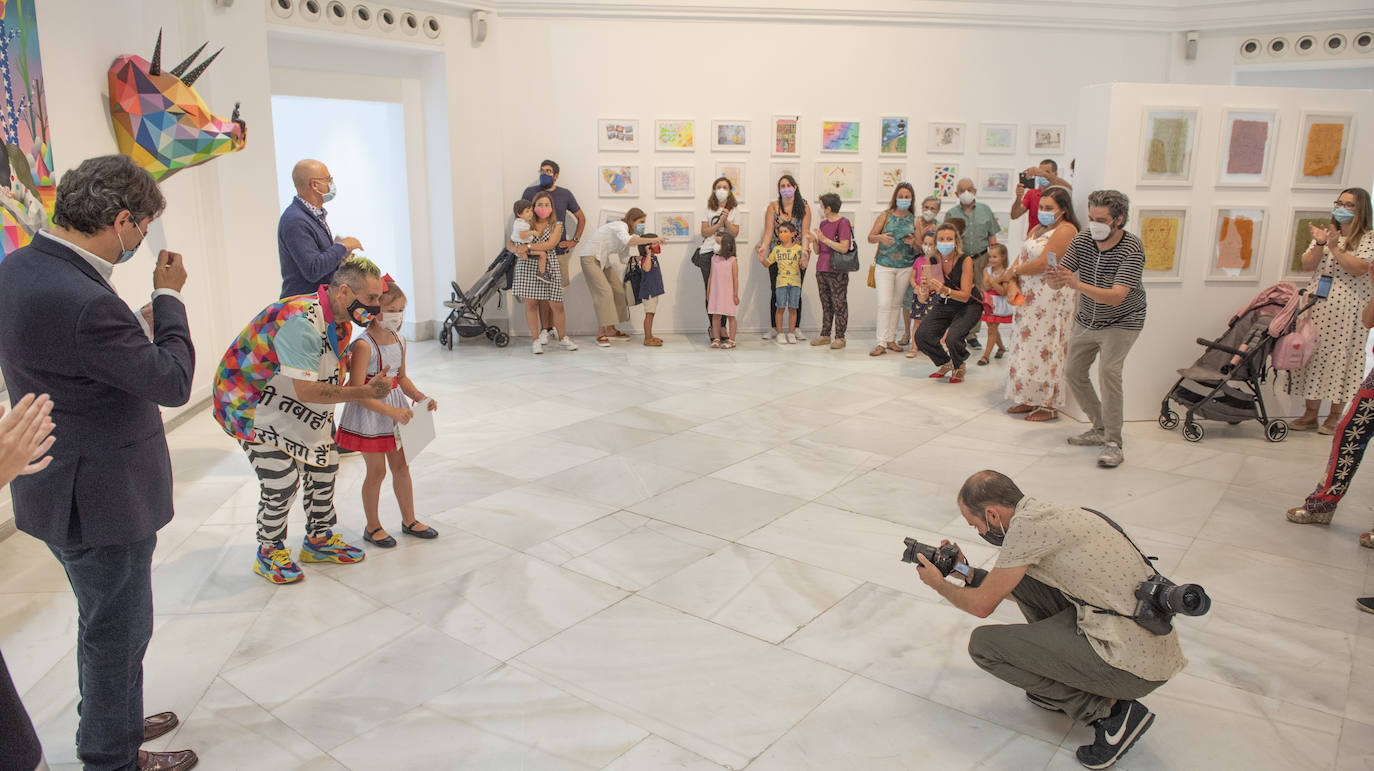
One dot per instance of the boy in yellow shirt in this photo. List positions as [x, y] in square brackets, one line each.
[787, 255]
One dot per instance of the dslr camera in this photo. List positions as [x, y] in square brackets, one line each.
[1026, 180]
[1159, 599]
[944, 558]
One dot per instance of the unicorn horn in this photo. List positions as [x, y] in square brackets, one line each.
[156, 67]
[180, 68]
[191, 76]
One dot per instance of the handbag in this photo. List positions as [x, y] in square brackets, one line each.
[847, 262]
[871, 283]
[702, 259]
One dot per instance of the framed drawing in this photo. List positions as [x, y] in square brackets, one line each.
[617, 134]
[1237, 243]
[1299, 238]
[617, 181]
[1162, 232]
[733, 171]
[777, 170]
[944, 177]
[674, 181]
[785, 135]
[1166, 145]
[1046, 138]
[839, 136]
[889, 175]
[1004, 226]
[675, 135]
[841, 178]
[893, 133]
[995, 183]
[1248, 138]
[1325, 140]
[997, 138]
[611, 215]
[945, 138]
[730, 136]
[676, 226]
[741, 218]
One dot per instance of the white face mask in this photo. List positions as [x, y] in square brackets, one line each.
[722, 194]
[1100, 230]
[392, 321]
[966, 198]
[927, 215]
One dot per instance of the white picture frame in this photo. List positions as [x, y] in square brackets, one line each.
[944, 178]
[889, 176]
[675, 181]
[997, 138]
[1240, 130]
[894, 135]
[741, 217]
[1046, 138]
[842, 177]
[784, 136]
[1299, 239]
[615, 135]
[617, 181]
[731, 136]
[611, 215]
[675, 226]
[840, 136]
[675, 135]
[779, 168]
[996, 182]
[1336, 180]
[945, 138]
[1221, 249]
[1156, 253]
[736, 171]
[1167, 148]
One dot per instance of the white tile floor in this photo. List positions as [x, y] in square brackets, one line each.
[686, 558]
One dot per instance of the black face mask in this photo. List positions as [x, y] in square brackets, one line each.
[363, 314]
[995, 539]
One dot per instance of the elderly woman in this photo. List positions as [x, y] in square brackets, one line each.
[1343, 250]
[603, 256]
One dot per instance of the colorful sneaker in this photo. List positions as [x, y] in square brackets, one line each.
[332, 550]
[276, 566]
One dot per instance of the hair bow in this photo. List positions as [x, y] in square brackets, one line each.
[386, 277]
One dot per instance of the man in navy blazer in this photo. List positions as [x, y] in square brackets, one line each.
[108, 490]
[306, 246]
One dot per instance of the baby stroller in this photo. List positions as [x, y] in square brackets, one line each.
[1225, 382]
[465, 314]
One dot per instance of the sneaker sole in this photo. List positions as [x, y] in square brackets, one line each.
[1125, 745]
[1364, 608]
[304, 557]
[272, 578]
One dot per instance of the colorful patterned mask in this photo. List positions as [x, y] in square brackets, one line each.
[159, 119]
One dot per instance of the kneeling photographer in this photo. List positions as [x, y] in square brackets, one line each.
[1098, 634]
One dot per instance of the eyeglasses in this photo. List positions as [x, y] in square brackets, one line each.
[1344, 205]
[322, 179]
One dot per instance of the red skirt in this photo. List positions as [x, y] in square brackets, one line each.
[348, 440]
[990, 319]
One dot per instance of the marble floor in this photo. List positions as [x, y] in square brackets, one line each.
[689, 559]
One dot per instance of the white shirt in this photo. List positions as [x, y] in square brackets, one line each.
[516, 228]
[106, 270]
[608, 241]
[709, 245]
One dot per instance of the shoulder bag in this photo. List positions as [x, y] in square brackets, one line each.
[848, 262]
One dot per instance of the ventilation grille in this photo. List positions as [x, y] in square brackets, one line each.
[1297, 46]
[373, 19]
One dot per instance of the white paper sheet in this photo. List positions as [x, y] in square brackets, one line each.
[416, 435]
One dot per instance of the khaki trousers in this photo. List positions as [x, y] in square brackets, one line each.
[608, 292]
[1112, 344]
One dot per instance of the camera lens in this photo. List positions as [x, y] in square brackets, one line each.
[1187, 599]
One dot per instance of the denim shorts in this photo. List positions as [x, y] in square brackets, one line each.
[788, 296]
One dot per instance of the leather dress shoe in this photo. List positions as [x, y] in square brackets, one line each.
[158, 724]
[166, 761]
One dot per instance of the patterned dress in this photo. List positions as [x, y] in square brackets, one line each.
[1039, 340]
[362, 429]
[527, 287]
[1334, 372]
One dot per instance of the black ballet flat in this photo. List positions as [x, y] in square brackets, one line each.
[385, 543]
[427, 533]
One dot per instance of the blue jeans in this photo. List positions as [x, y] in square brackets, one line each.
[788, 297]
[114, 602]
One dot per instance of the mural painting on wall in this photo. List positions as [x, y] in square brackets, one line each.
[30, 190]
[159, 119]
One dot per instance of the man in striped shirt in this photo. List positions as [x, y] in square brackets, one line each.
[1104, 266]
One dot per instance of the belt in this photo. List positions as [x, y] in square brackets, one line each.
[976, 256]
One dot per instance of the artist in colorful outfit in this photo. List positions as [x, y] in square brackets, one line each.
[274, 392]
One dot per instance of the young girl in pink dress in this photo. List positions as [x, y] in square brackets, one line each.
[723, 299]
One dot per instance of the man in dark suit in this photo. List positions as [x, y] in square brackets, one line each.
[306, 246]
[108, 490]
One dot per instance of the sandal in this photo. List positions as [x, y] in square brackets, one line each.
[1367, 540]
[386, 542]
[1042, 415]
[879, 351]
[653, 342]
[715, 343]
[727, 343]
[957, 376]
[411, 529]
[603, 341]
[894, 347]
[983, 362]
[1019, 409]
[911, 354]
[1000, 351]
[620, 335]
[1301, 515]
[942, 371]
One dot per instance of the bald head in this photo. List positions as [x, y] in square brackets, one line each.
[304, 173]
[988, 488]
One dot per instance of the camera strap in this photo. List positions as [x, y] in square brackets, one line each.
[1148, 561]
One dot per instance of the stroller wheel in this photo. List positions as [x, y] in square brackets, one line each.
[1168, 420]
[443, 336]
[492, 332]
[501, 339]
[1276, 431]
[1192, 432]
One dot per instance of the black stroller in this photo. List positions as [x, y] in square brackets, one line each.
[465, 314]
[1225, 383]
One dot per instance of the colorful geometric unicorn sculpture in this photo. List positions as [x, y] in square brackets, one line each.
[161, 122]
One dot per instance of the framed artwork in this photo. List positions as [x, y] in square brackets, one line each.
[889, 175]
[733, 171]
[675, 135]
[674, 181]
[893, 133]
[730, 136]
[839, 136]
[1004, 228]
[741, 218]
[841, 178]
[617, 134]
[944, 177]
[676, 226]
[1162, 233]
[785, 135]
[775, 172]
[1248, 138]
[1325, 140]
[1166, 146]
[611, 215]
[995, 183]
[945, 138]
[997, 138]
[1046, 138]
[617, 181]
[1237, 241]
[1299, 238]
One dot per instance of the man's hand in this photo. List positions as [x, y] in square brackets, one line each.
[147, 313]
[930, 576]
[1059, 277]
[169, 272]
[25, 435]
[433, 404]
[566, 244]
[402, 415]
[381, 383]
[962, 560]
[350, 243]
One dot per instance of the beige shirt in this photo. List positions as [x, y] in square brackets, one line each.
[1078, 553]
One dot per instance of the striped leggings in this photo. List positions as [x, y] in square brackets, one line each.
[279, 476]
[1347, 449]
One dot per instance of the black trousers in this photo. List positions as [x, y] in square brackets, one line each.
[957, 319]
[22, 751]
[773, 297]
[706, 285]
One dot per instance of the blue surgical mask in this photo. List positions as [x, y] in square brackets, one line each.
[128, 254]
[545, 180]
[1046, 218]
[903, 203]
[1342, 214]
[945, 247]
[639, 229]
[1041, 182]
[329, 194]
